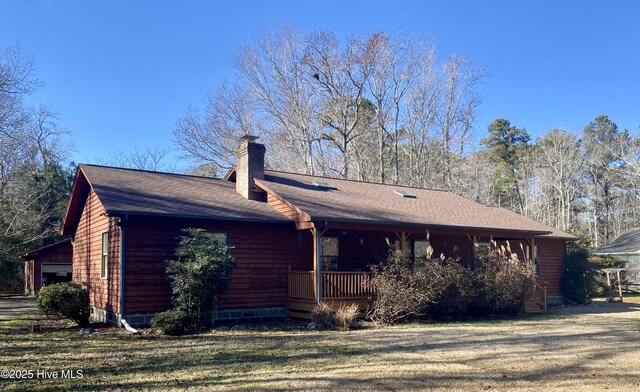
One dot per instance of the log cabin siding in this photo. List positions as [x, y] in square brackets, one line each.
[87, 255]
[263, 254]
[551, 253]
[263, 251]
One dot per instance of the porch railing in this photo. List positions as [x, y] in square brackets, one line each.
[346, 284]
[301, 284]
[334, 284]
[540, 295]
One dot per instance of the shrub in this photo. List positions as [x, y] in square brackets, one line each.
[323, 314]
[500, 284]
[346, 315]
[458, 291]
[580, 279]
[505, 282]
[69, 300]
[171, 322]
[199, 274]
[404, 290]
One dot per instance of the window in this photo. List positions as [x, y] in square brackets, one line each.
[420, 251]
[330, 253]
[105, 256]
[221, 238]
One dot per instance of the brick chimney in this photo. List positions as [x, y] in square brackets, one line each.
[249, 165]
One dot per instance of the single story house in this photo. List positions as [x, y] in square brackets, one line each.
[297, 239]
[47, 265]
[627, 248]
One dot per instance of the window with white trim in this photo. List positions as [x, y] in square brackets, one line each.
[104, 262]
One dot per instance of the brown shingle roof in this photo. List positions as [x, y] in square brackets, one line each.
[127, 191]
[378, 203]
[36, 252]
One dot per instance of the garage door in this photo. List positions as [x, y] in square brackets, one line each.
[56, 268]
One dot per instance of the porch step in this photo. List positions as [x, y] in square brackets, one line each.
[533, 307]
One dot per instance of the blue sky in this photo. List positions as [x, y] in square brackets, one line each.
[121, 73]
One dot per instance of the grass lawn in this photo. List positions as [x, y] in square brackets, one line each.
[582, 348]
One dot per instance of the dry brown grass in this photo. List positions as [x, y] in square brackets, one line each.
[589, 348]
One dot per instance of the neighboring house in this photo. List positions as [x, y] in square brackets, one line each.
[297, 239]
[47, 265]
[627, 248]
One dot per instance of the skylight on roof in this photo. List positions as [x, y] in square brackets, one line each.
[324, 185]
[405, 194]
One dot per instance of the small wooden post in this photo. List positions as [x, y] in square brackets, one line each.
[619, 284]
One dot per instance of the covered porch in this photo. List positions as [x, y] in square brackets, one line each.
[342, 253]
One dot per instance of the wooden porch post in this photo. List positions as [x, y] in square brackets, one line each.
[317, 264]
[532, 253]
[403, 236]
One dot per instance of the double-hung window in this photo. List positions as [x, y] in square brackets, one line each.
[104, 261]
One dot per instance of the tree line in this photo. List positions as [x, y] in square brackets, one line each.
[387, 109]
[34, 176]
[374, 107]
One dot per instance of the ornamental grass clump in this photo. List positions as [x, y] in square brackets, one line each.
[343, 318]
[505, 282]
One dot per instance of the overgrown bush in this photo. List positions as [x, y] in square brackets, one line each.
[343, 318]
[505, 281]
[172, 322]
[499, 284]
[458, 290]
[199, 274]
[69, 300]
[404, 290]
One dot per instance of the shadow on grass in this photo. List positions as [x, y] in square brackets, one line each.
[277, 360]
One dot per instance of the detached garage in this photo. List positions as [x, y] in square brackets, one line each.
[47, 265]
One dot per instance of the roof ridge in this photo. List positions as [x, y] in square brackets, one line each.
[149, 171]
[365, 182]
